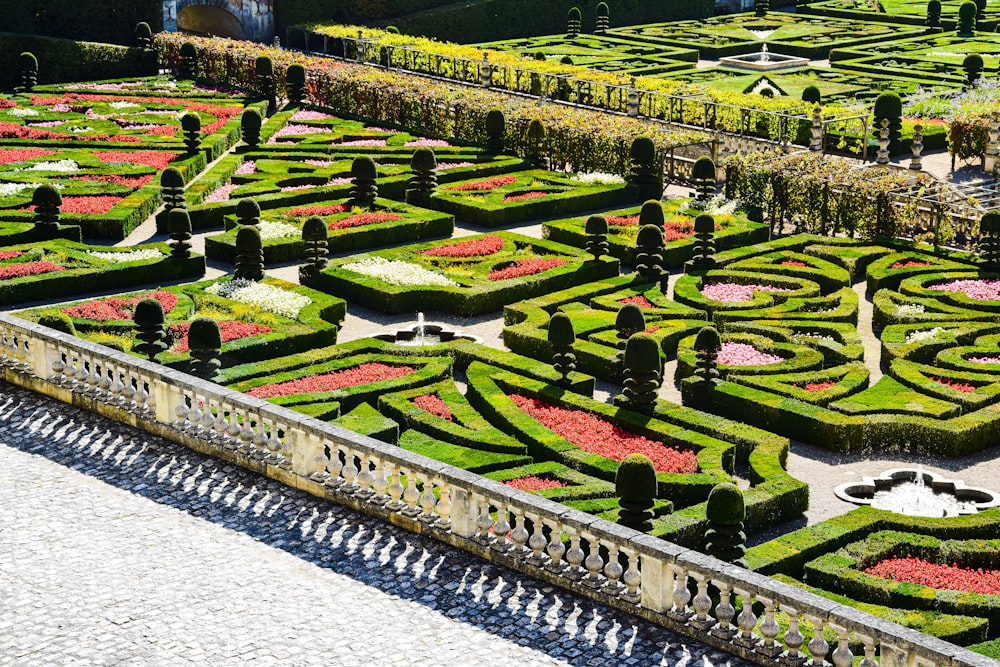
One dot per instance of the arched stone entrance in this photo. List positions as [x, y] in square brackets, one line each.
[239, 19]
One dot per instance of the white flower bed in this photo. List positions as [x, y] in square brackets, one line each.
[909, 309]
[270, 229]
[395, 272]
[22, 112]
[80, 129]
[926, 334]
[130, 256]
[124, 105]
[11, 189]
[598, 178]
[719, 205]
[268, 297]
[65, 166]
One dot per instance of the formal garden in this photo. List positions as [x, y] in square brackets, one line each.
[657, 353]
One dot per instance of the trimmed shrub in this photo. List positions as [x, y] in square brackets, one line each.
[534, 139]
[890, 106]
[191, 125]
[812, 94]
[726, 511]
[188, 62]
[59, 322]
[249, 254]
[423, 182]
[248, 212]
[179, 228]
[205, 341]
[150, 330]
[973, 66]
[597, 236]
[314, 238]
[645, 172]
[364, 188]
[704, 245]
[295, 82]
[495, 130]
[934, 13]
[762, 7]
[989, 241]
[561, 338]
[172, 189]
[636, 488]
[250, 123]
[574, 20]
[703, 175]
[629, 321]
[642, 372]
[142, 36]
[649, 252]
[967, 18]
[603, 18]
[46, 200]
[651, 213]
[27, 72]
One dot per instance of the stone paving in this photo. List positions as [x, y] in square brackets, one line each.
[118, 548]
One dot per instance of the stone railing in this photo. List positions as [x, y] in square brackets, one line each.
[601, 560]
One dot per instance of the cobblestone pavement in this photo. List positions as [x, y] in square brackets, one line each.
[118, 548]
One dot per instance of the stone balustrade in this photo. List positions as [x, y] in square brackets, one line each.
[630, 570]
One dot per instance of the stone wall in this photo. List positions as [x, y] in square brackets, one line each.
[255, 18]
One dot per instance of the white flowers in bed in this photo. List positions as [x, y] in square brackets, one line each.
[396, 272]
[271, 298]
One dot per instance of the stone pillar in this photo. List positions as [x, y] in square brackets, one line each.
[882, 157]
[486, 72]
[917, 147]
[990, 158]
[816, 131]
[632, 106]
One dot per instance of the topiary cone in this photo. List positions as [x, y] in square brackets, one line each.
[561, 337]
[651, 213]
[636, 488]
[250, 124]
[205, 342]
[597, 236]
[152, 334]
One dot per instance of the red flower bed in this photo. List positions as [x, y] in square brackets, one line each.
[525, 267]
[526, 195]
[818, 386]
[7, 103]
[433, 404]
[675, 231]
[533, 483]
[362, 219]
[795, 263]
[118, 308]
[230, 330]
[154, 159]
[115, 179]
[10, 254]
[351, 377]
[623, 221]
[490, 244]
[9, 155]
[92, 205]
[488, 184]
[941, 577]
[15, 131]
[960, 387]
[329, 209]
[28, 269]
[597, 436]
[910, 263]
[637, 300]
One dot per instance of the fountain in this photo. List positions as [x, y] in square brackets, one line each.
[763, 60]
[917, 493]
[422, 334]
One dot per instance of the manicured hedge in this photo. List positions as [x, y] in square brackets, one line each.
[66, 59]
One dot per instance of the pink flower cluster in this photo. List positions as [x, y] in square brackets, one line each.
[961, 387]
[10, 254]
[28, 269]
[941, 577]
[374, 143]
[638, 300]
[89, 205]
[318, 163]
[981, 290]
[735, 292]
[351, 377]
[599, 436]
[525, 267]
[744, 354]
[327, 209]
[985, 360]
[9, 155]
[442, 166]
[118, 308]
[534, 483]
[487, 184]
[481, 247]
[362, 219]
[248, 167]
[115, 179]
[433, 404]
[429, 143]
[795, 263]
[526, 195]
[220, 193]
[154, 159]
[306, 114]
[908, 264]
[230, 330]
[818, 386]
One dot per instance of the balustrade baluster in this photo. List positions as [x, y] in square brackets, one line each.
[411, 495]
[519, 535]
[593, 563]
[349, 472]
[500, 529]
[842, 656]
[793, 638]
[574, 555]
[724, 612]
[395, 490]
[484, 523]
[613, 570]
[380, 483]
[702, 603]
[632, 578]
[274, 444]
[321, 464]
[444, 506]
[364, 479]
[428, 501]
[869, 659]
[818, 645]
[681, 595]
[537, 542]
[769, 630]
[555, 548]
[747, 620]
[219, 424]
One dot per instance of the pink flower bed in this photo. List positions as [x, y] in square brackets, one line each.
[328, 209]
[429, 143]
[154, 159]
[795, 263]
[433, 404]
[961, 387]
[305, 114]
[743, 354]
[941, 577]
[220, 193]
[28, 269]
[533, 483]
[734, 292]
[10, 254]
[981, 290]
[985, 360]
[89, 205]
[9, 155]
[526, 195]
[292, 130]
[908, 264]
[525, 267]
[481, 247]
[637, 300]
[375, 143]
[677, 230]
[442, 166]
[323, 164]
[230, 330]
[487, 184]
[114, 179]
[351, 377]
[623, 221]
[248, 167]
[118, 308]
[818, 386]
[362, 219]
[599, 436]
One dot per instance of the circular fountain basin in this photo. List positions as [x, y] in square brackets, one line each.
[425, 334]
[763, 61]
[914, 492]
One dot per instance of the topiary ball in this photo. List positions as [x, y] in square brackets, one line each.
[46, 195]
[635, 479]
[364, 167]
[59, 322]
[191, 122]
[990, 223]
[314, 229]
[630, 319]
[651, 213]
[704, 224]
[247, 209]
[649, 236]
[726, 505]
[708, 340]
[27, 61]
[536, 131]
[642, 150]
[148, 313]
[248, 239]
[204, 334]
[188, 50]
[295, 74]
[495, 122]
[171, 178]
[811, 94]
[703, 169]
[263, 66]
[423, 160]
[597, 224]
[178, 221]
[973, 63]
[642, 353]
[561, 333]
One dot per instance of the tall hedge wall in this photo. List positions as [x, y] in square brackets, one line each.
[292, 12]
[111, 21]
[61, 60]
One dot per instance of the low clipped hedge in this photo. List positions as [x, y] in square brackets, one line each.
[475, 292]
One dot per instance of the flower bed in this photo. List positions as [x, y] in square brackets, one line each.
[429, 274]
[937, 576]
[363, 374]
